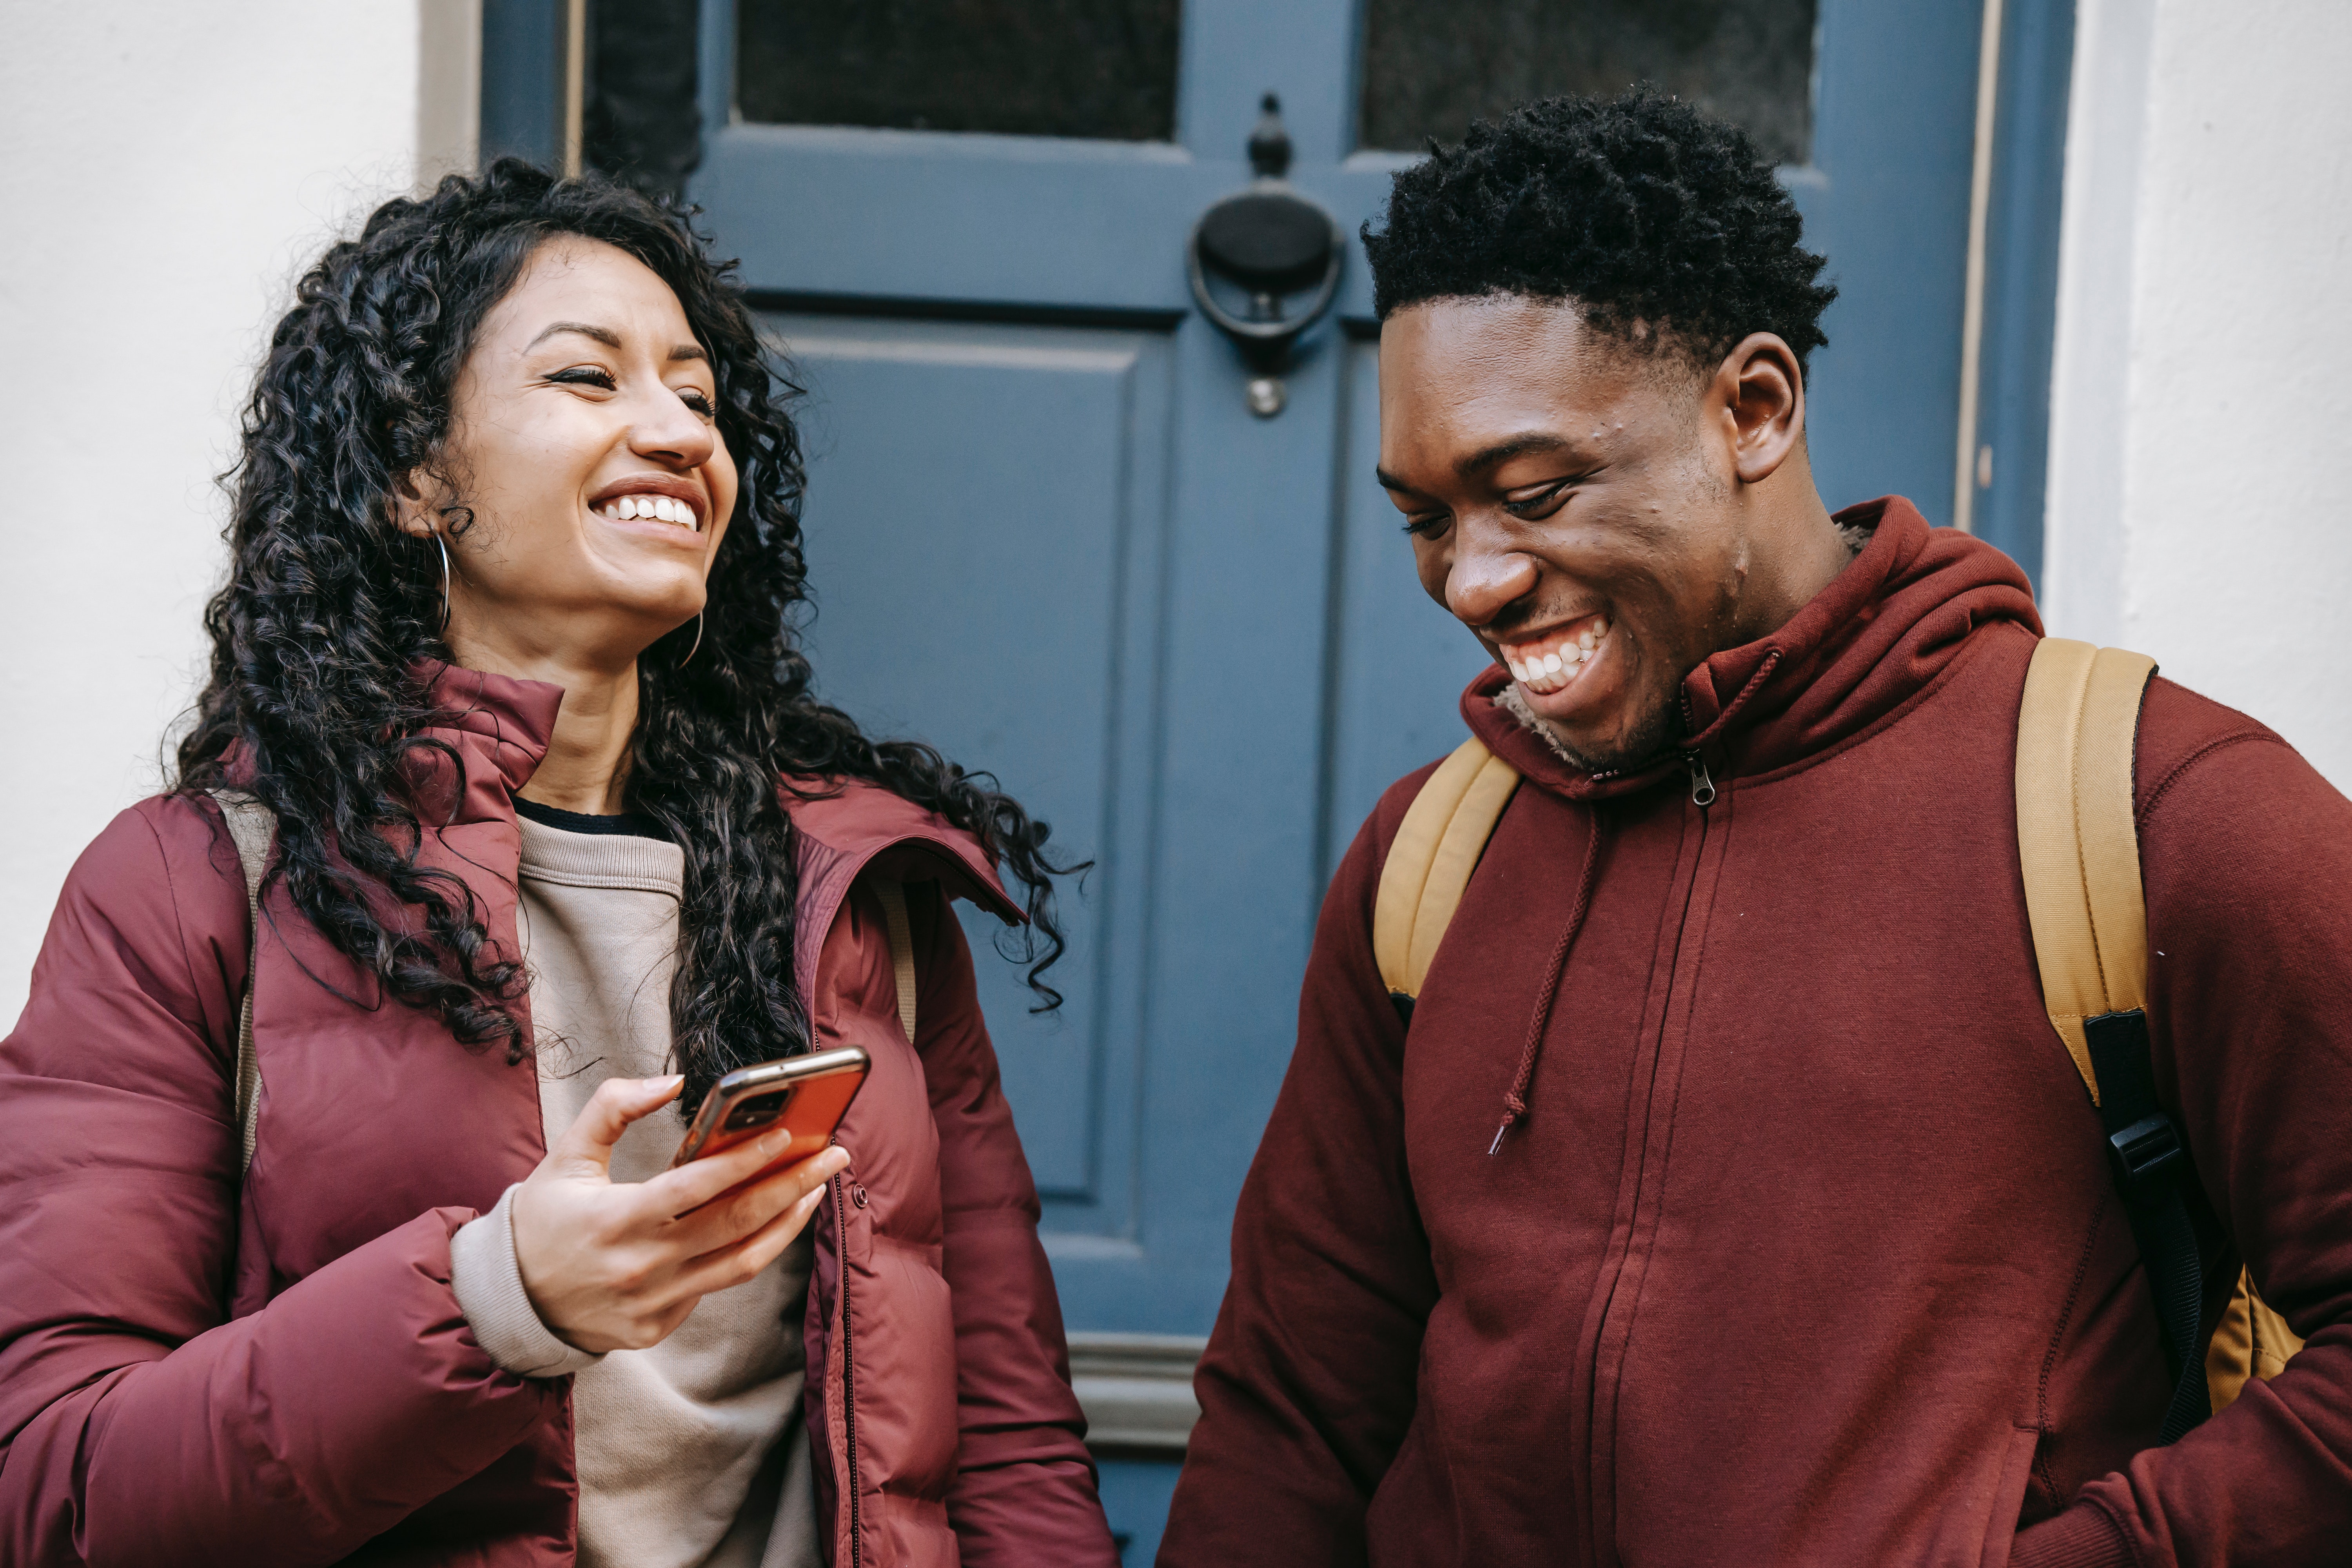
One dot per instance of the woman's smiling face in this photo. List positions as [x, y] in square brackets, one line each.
[583, 440]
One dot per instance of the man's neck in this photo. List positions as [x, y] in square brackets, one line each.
[1799, 550]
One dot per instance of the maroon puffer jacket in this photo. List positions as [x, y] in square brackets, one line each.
[190, 1372]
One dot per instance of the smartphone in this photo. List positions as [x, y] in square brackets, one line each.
[808, 1094]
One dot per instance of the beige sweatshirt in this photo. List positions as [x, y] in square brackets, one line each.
[692, 1454]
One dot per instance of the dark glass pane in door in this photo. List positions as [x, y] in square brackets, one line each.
[641, 122]
[1100, 68]
[1432, 66]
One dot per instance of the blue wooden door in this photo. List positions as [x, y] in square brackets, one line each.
[1049, 533]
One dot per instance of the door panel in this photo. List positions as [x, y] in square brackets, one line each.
[985, 537]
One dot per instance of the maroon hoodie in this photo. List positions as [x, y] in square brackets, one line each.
[199, 1369]
[1799, 1247]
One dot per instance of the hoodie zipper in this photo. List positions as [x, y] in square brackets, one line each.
[848, 1366]
[1609, 1359]
[1702, 785]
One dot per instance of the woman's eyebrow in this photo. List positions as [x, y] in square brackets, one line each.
[605, 335]
[609, 338]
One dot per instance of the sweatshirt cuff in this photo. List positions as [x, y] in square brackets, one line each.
[2082, 1537]
[488, 1282]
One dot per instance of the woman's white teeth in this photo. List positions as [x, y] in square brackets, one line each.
[664, 507]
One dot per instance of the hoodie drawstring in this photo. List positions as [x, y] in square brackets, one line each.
[1514, 1103]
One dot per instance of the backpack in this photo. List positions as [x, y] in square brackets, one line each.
[2077, 730]
[254, 828]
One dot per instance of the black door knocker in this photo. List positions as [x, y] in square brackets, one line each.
[1267, 242]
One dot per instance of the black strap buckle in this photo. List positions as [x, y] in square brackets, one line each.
[2146, 1157]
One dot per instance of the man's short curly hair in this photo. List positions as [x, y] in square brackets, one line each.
[1666, 228]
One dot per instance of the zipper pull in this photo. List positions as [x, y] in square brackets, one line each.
[1702, 786]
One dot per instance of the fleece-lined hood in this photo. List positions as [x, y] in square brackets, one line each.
[1872, 642]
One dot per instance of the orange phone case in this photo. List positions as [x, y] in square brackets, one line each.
[808, 1094]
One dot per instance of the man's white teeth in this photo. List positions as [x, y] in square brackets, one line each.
[1548, 669]
[652, 507]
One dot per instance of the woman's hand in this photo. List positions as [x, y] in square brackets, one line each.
[617, 1266]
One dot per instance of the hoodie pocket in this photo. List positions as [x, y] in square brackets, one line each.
[2009, 1498]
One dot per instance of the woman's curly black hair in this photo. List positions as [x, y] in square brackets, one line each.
[327, 636]
[1663, 228]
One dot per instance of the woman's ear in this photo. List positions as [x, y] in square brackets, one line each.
[1763, 396]
[411, 512]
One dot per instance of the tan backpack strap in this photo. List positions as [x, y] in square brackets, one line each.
[902, 949]
[2077, 732]
[2076, 738]
[2075, 836]
[251, 826]
[1430, 861]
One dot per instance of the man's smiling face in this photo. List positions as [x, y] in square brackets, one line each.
[1579, 504]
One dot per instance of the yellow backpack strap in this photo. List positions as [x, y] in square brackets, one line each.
[2076, 730]
[1429, 863]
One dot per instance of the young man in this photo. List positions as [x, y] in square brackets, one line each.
[1728, 1197]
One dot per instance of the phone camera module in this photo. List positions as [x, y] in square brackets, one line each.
[756, 1110]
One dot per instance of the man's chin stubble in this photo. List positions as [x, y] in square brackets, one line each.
[1643, 746]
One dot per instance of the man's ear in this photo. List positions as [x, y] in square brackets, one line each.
[1762, 394]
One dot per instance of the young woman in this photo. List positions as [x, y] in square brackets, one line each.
[561, 837]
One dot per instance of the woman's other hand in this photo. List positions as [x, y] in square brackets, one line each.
[617, 1266]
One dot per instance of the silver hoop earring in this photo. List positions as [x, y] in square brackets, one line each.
[697, 642]
[445, 583]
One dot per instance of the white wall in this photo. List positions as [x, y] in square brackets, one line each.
[170, 169]
[2197, 508]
